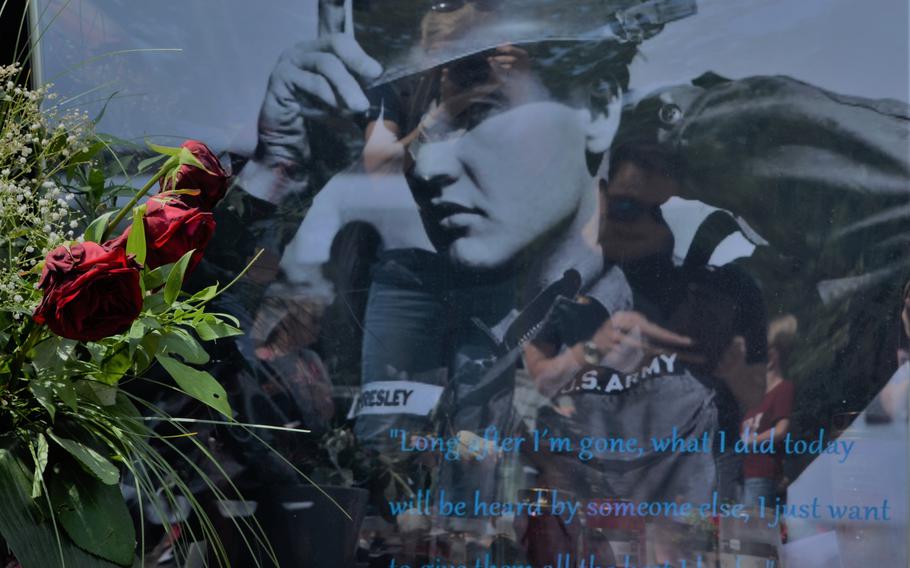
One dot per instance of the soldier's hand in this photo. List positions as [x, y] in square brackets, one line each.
[629, 337]
[311, 80]
[574, 321]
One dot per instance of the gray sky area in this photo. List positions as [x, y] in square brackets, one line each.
[212, 87]
[856, 48]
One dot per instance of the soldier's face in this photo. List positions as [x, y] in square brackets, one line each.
[501, 166]
[488, 194]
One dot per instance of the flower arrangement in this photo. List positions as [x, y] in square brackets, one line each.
[84, 310]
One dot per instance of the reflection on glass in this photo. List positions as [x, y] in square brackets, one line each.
[583, 294]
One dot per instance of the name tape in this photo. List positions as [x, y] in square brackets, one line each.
[395, 397]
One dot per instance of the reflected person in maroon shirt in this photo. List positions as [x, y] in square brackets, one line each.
[770, 419]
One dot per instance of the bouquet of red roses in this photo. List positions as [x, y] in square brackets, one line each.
[81, 313]
[92, 290]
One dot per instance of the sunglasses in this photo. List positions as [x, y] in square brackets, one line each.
[628, 210]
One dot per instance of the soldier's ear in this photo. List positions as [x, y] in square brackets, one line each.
[602, 125]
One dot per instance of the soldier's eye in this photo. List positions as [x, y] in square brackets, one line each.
[446, 5]
[452, 5]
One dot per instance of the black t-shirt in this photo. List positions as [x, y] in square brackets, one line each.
[710, 304]
[663, 395]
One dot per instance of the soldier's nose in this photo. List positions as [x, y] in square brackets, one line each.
[437, 163]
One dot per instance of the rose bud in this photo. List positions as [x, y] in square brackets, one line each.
[90, 292]
[172, 227]
[211, 184]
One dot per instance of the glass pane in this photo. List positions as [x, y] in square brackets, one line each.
[551, 283]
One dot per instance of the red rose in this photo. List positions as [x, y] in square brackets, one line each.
[212, 184]
[172, 227]
[90, 292]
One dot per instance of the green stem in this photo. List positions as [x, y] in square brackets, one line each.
[112, 224]
[32, 334]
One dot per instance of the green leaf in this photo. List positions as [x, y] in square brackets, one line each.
[106, 395]
[96, 182]
[186, 157]
[98, 351]
[180, 342]
[175, 278]
[96, 228]
[150, 323]
[52, 353]
[137, 330]
[229, 317]
[149, 162]
[32, 538]
[95, 517]
[156, 278]
[39, 456]
[113, 366]
[198, 384]
[135, 243]
[166, 150]
[43, 395]
[88, 154]
[15, 234]
[154, 304]
[65, 392]
[210, 329]
[49, 383]
[146, 350]
[94, 462]
[205, 294]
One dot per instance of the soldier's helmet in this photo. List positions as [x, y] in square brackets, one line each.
[410, 36]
